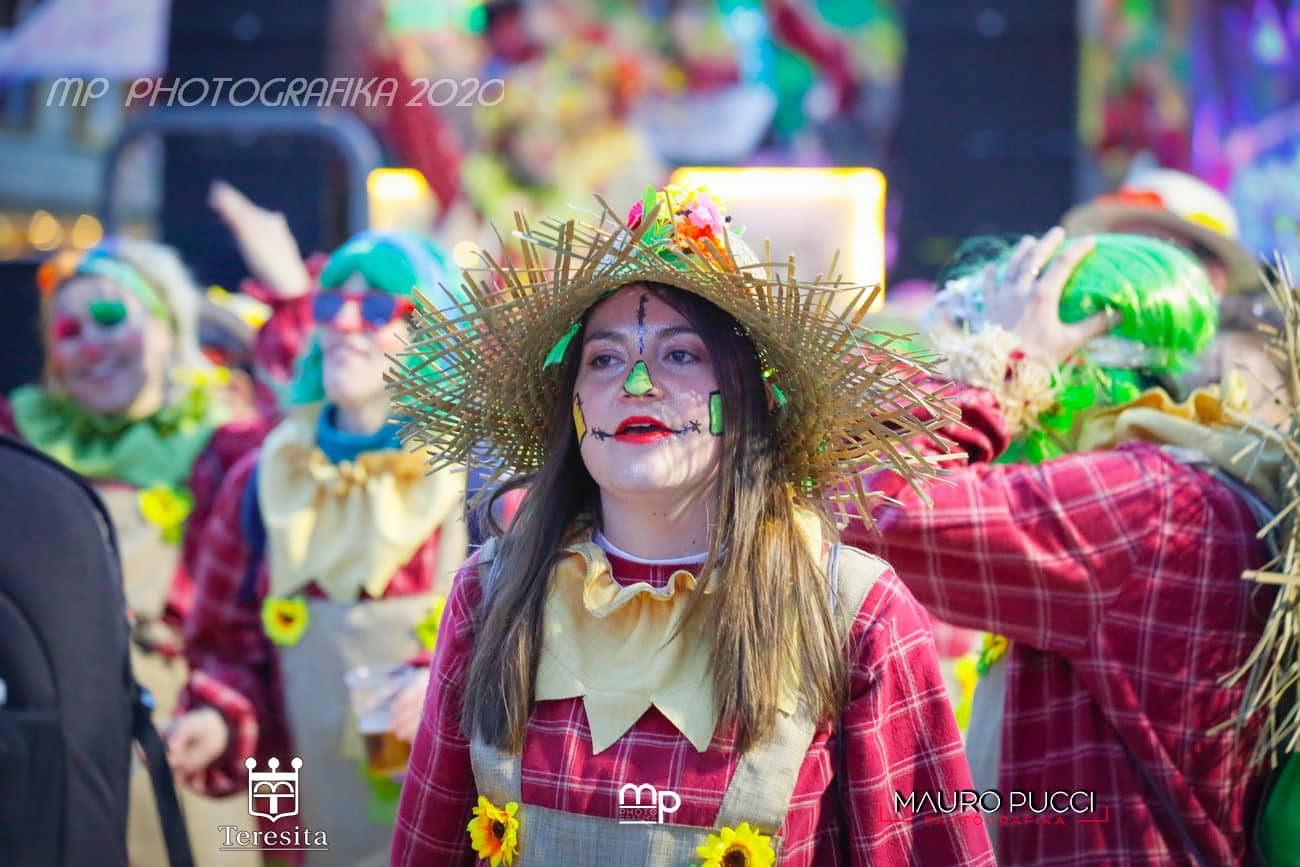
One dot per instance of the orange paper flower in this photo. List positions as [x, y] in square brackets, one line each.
[494, 832]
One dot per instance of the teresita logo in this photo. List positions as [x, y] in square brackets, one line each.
[273, 795]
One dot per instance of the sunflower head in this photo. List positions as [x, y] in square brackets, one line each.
[285, 620]
[742, 846]
[166, 508]
[494, 832]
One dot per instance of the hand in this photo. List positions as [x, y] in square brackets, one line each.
[1025, 300]
[195, 740]
[264, 240]
[409, 705]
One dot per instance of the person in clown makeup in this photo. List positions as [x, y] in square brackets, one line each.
[667, 658]
[129, 402]
[324, 551]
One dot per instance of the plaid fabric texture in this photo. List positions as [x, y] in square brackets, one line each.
[898, 733]
[1117, 575]
[232, 662]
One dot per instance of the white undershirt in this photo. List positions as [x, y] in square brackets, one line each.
[599, 538]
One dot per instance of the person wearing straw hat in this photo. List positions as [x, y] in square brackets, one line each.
[1179, 208]
[1110, 552]
[667, 658]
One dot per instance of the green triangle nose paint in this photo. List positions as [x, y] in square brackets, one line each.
[638, 381]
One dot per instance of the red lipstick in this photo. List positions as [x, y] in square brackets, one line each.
[641, 429]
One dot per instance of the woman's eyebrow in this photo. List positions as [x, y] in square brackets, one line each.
[663, 333]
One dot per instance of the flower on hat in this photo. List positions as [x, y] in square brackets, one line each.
[285, 620]
[742, 846]
[166, 508]
[427, 629]
[494, 832]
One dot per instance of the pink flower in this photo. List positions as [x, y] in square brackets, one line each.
[634, 216]
[705, 214]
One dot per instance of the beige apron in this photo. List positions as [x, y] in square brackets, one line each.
[759, 792]
[333, 796]
[148, 565]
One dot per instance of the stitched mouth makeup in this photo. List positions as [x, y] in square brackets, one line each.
[641, 429]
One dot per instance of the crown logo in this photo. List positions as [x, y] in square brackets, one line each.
[273, 794]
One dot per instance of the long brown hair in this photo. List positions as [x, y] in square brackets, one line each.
[766, 572]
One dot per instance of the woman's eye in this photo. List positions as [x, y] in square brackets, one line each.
[682, 356]
[601, 360]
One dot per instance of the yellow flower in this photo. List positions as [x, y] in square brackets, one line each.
[427, 629]
[738, 847]
[494, 832]
[285, 620]
[166, 509]
[967, 675]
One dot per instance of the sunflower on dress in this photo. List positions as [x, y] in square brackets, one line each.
[494, 832]
[742, 846]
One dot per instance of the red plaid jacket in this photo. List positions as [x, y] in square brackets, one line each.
[277, 344]
[233, 665]
[898, 734]
[1118, 576]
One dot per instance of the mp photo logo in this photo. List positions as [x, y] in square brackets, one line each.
[273, 795]
[645, 805]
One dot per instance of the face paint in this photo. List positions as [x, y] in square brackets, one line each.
[107, 313]
[640, 323]
[715, 413]
[579, 422]
[638, 382]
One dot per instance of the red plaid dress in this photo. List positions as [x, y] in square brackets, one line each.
[233, 665]
[1118, 576]
[898, 734]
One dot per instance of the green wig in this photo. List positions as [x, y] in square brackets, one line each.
[1170, 317]
[398, 263]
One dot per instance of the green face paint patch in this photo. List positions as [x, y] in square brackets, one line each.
[107, 313]
[715, 413]
[638, 381]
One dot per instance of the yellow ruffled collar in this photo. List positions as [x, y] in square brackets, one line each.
[623, 649]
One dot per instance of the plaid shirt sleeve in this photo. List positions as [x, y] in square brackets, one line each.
[1030, 551]
[900, 737]
[232, 664]
[227, 446]
[438, 794]
[283, 336]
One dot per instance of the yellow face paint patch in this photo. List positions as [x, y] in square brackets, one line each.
[579, 420]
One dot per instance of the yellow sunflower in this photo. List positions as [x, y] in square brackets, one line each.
[494, 832]
[427, 629]
[165, 508]
[742, 846]
[285, 620]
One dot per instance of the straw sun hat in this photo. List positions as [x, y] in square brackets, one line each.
[479, 383]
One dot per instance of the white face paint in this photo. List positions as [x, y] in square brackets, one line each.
[642, 398]
[106, 349]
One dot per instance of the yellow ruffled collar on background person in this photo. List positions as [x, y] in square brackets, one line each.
[346, 527]
[1208, 421]
[623, 649]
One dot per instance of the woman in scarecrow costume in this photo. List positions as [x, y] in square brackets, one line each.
[129, 401]
[323, 553]
[1101, 521]
[678, 412]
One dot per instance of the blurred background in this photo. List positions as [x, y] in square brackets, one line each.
[885, 129]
